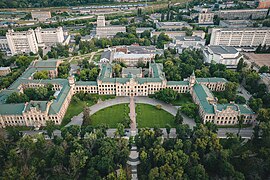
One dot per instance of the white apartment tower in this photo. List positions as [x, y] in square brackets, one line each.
[206, 18]
[240, 37]
[22, 42]
[50, 36]
[101, 21]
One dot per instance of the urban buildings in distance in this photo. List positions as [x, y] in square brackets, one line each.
[22, 42]
[104, 31]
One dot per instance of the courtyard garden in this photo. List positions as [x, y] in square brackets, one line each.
[110, 116]
[79, 101]
[150, 116]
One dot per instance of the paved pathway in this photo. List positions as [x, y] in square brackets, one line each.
[132, 115]
[244, 93]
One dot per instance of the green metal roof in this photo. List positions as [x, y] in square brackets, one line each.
[12, 109]
[202, 95]
[244, 109]
[40, 105]
[46, 63]
[222, 107]
[157, 69]
[214, 79]
[58, 102]
[184, 83]
[86, 83]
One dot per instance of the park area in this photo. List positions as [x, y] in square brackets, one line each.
[150, 116]
[110, 116]
[76, 106]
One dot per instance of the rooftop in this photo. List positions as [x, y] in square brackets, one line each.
[223, 49]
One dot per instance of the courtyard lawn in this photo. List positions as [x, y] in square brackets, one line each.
[150, 116]
[182, 99]
[97, 57]
[110, 116]
[76, 108]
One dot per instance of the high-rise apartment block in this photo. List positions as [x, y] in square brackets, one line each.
[50, 36]
[240, 37]
[22, 42]
[206, 18]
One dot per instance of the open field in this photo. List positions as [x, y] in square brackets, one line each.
[150, 116]
[110, 116]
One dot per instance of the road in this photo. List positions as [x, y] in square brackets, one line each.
[244, 133]
[243, 93]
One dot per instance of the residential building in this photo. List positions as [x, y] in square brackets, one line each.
[206, 18]
[226, 55]
[240, 37]
[22, 42]
[243, 14]
[4, 71]
[101, 22]
[41, 15]
[103, 31]
[173, 25]
[200, 34]
[182, 42]
[235, 23]
[171, 34]
[50, 36]
[3, 44]
[264, 4]
[141, 30]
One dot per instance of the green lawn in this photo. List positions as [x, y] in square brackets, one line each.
[76, 108]
[110, 116]
[150, 116]
[182, 99]
[97, 57]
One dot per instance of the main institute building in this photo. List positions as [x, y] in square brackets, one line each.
[132, 83]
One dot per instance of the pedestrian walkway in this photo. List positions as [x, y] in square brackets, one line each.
[132, 115]
[133, 161]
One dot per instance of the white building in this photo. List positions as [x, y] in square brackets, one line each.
[101, 21]
[226, 55]
[22, 42]
[173, 25]
[4, 71]
[183, 42]
[171, 34]
[206, 18]
[50, 36]
[240, 37]
[3, 44]
[235, 23]
[200, 34]
[243, 14]
[41, 15]
[103, 31]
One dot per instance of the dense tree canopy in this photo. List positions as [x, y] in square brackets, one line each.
[91, 157]
[47, 3]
